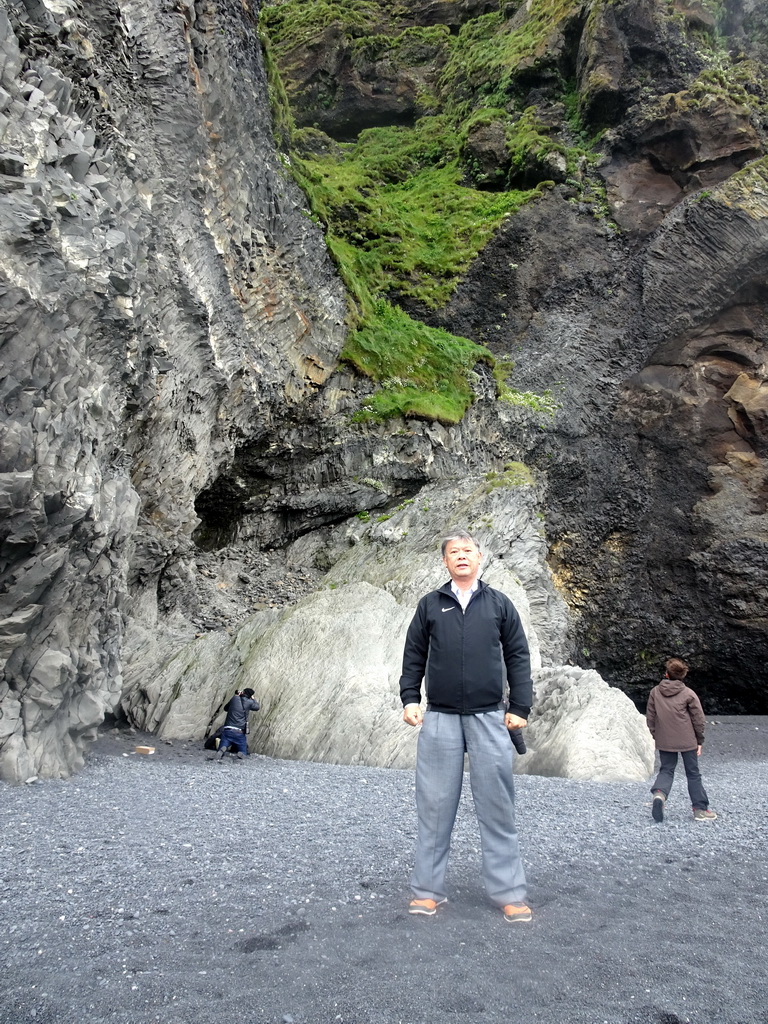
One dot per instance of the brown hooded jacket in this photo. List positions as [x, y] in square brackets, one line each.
[675, 716]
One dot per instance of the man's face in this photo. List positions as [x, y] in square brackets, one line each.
[462, 560]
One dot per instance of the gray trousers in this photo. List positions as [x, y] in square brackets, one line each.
[439, 775]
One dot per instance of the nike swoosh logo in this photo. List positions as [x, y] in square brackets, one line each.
[447, 609]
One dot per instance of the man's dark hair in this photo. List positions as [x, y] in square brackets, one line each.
[456, 535]
[247, 692]
[676, 668]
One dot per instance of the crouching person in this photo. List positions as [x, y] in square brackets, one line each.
[233, 735]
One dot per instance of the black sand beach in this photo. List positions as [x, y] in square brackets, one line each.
[167, 888]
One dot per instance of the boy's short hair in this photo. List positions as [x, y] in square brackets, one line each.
[676, 668]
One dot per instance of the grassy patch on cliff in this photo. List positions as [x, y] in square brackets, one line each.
[493, 51]
[423, 371]
[743, 83]
[397, 197]
[400, 213]
[515, 474]
[400, 222]
[299, 22]
[748, 187]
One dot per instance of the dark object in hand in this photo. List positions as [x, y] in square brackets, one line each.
[516, 735]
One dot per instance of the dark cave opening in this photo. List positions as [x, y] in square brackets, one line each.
[220, 508]
[716, 686]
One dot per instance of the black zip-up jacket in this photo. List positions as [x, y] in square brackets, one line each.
[238, 710]
[466, 658]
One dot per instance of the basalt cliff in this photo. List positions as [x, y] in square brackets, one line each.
[287, 292]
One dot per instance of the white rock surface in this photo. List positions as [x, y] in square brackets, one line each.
[327, 676]
[582, 728]
[326, 669]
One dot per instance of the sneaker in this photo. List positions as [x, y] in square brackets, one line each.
[517, 912]
[700, 814]
[659, 802]
[425, 907]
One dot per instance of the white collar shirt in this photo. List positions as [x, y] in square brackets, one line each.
[463, 596]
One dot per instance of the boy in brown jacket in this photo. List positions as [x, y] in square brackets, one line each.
[676, 720]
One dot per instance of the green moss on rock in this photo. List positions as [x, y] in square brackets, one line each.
[397, 196]
[516, 474]
[298, 23]
[493, 51]
[424, 371]
[400, 215]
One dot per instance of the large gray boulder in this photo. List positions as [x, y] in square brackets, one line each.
[326, 668]
[326, 672]
[582, 728]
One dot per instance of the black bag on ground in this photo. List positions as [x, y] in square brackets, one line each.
[211, 742]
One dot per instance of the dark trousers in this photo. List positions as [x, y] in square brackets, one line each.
[666, 776]
[234, 739]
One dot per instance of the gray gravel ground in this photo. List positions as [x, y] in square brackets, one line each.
[169, 888]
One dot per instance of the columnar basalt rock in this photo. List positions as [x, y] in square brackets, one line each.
[164, 295]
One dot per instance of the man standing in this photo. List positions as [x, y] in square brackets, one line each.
[465, 640]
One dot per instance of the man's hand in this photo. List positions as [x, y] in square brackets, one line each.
[698, 751]
[514, 721]
[412, 714]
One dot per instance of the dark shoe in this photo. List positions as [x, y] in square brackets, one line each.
[517, 912]
[700, 814]
[425, 907]
[659, 802]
